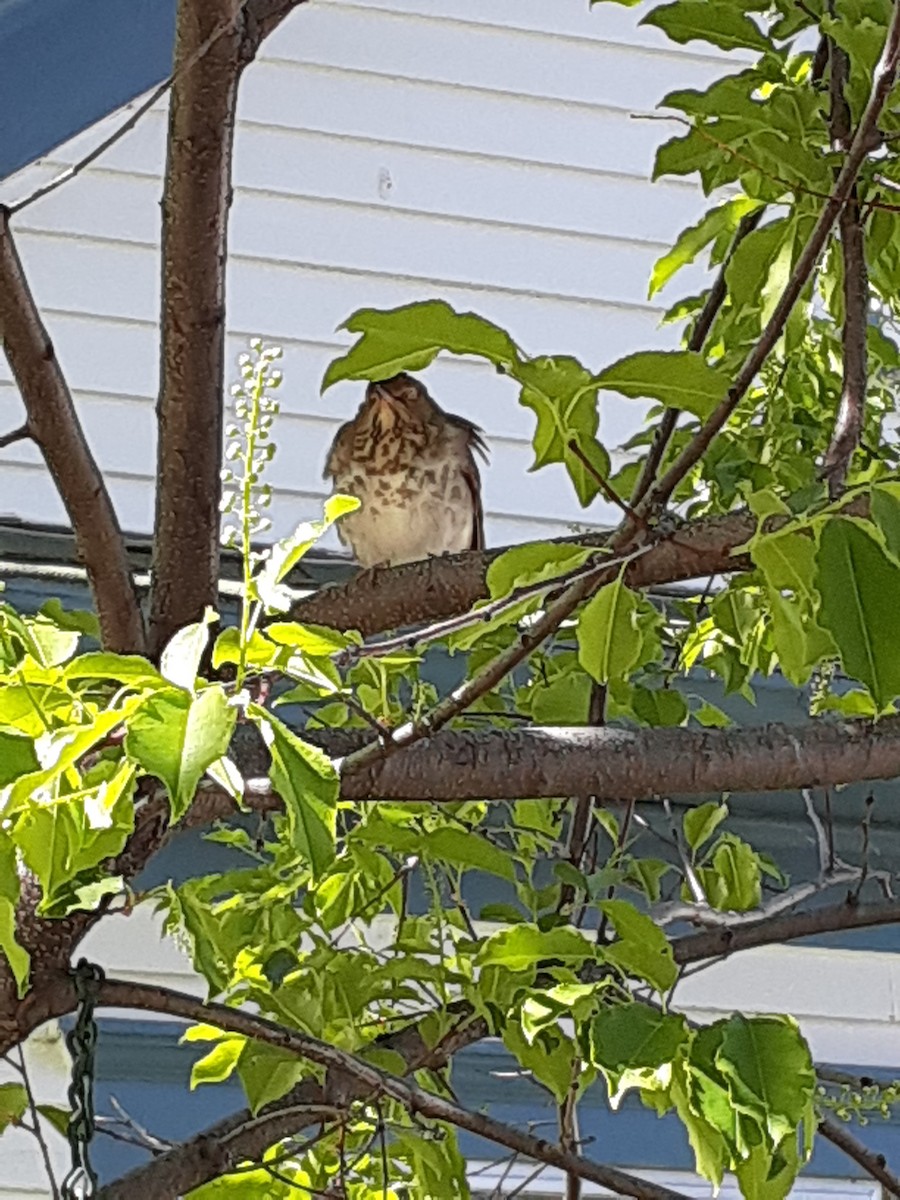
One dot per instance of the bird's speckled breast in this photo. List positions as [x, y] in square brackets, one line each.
[408, 512]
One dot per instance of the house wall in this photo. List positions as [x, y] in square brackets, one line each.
[387, 151]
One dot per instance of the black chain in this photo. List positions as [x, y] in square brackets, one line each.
[81, 1181]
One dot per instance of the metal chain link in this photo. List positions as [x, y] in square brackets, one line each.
[81, 1181]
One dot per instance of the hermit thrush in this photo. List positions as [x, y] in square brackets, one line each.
[413, 467]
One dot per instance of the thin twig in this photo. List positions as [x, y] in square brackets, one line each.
[22, 1067]
[658, 496]
[17, 435]
[871, 1162]
[848, 425]
[605, 486]
[475, 616]
[129, 123]
[488, 677]
[714, 301]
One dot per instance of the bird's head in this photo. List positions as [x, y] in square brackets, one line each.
[398, 401]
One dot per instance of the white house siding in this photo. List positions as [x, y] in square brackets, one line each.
[486, 151]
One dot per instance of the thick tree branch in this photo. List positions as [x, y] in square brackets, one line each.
[196, 199]
[354, 1078]
[621, 764]
[860, 147]
[375, 601]
[54, 426]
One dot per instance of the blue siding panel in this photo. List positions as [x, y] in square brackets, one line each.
[64, 64]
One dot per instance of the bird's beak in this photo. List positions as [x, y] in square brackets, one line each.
[384, 404]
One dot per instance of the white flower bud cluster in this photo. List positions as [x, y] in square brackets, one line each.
[249, 448]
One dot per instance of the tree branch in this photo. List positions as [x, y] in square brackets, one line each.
[851, 410]
[433, 589]
[368, 1081]
[860, 147]
[699, 334]
[53, 424]
[870, 1161]
[489, 676]
[622, 764]
[196, 199]
[745, 934]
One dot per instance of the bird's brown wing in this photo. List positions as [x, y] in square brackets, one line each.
[339, 451]
[474, 442]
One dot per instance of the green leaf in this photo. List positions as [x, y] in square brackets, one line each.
[609, 641]
[57, 1117]
[642, 949]
[129, 669]
[13, 1104]
[859, 586]
[548, 1057]
[285, 555]
[525, 946]
[176, 737]
[749, 267]
[723, 218]
[180, 660]
[308, 785]
[562, 395]
[676, 378]
[409, 338]
[460, 848]
[722, 24]
[73, 619]
[267, 1073]
[768, 1065]
[732, 883]
[629, 1039]
[50, 645]
[658, 706]
[316, 640]
[885, 510]
[17, 757]
[62, 750]
[700, 823]
[18, 958]
[534, 562]
[219, 1064]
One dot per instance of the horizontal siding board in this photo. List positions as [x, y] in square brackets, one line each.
[429, 113]
[491, 57]
[563, 20]
[326, 233]
[316, 166]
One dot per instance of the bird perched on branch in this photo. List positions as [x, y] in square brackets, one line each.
[413, 467]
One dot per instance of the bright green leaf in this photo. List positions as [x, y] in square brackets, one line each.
[641, 948]
[859, 587]
[409, 338]
[177, 737]
[676, 378]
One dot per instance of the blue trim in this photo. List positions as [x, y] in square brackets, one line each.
[68, 63]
